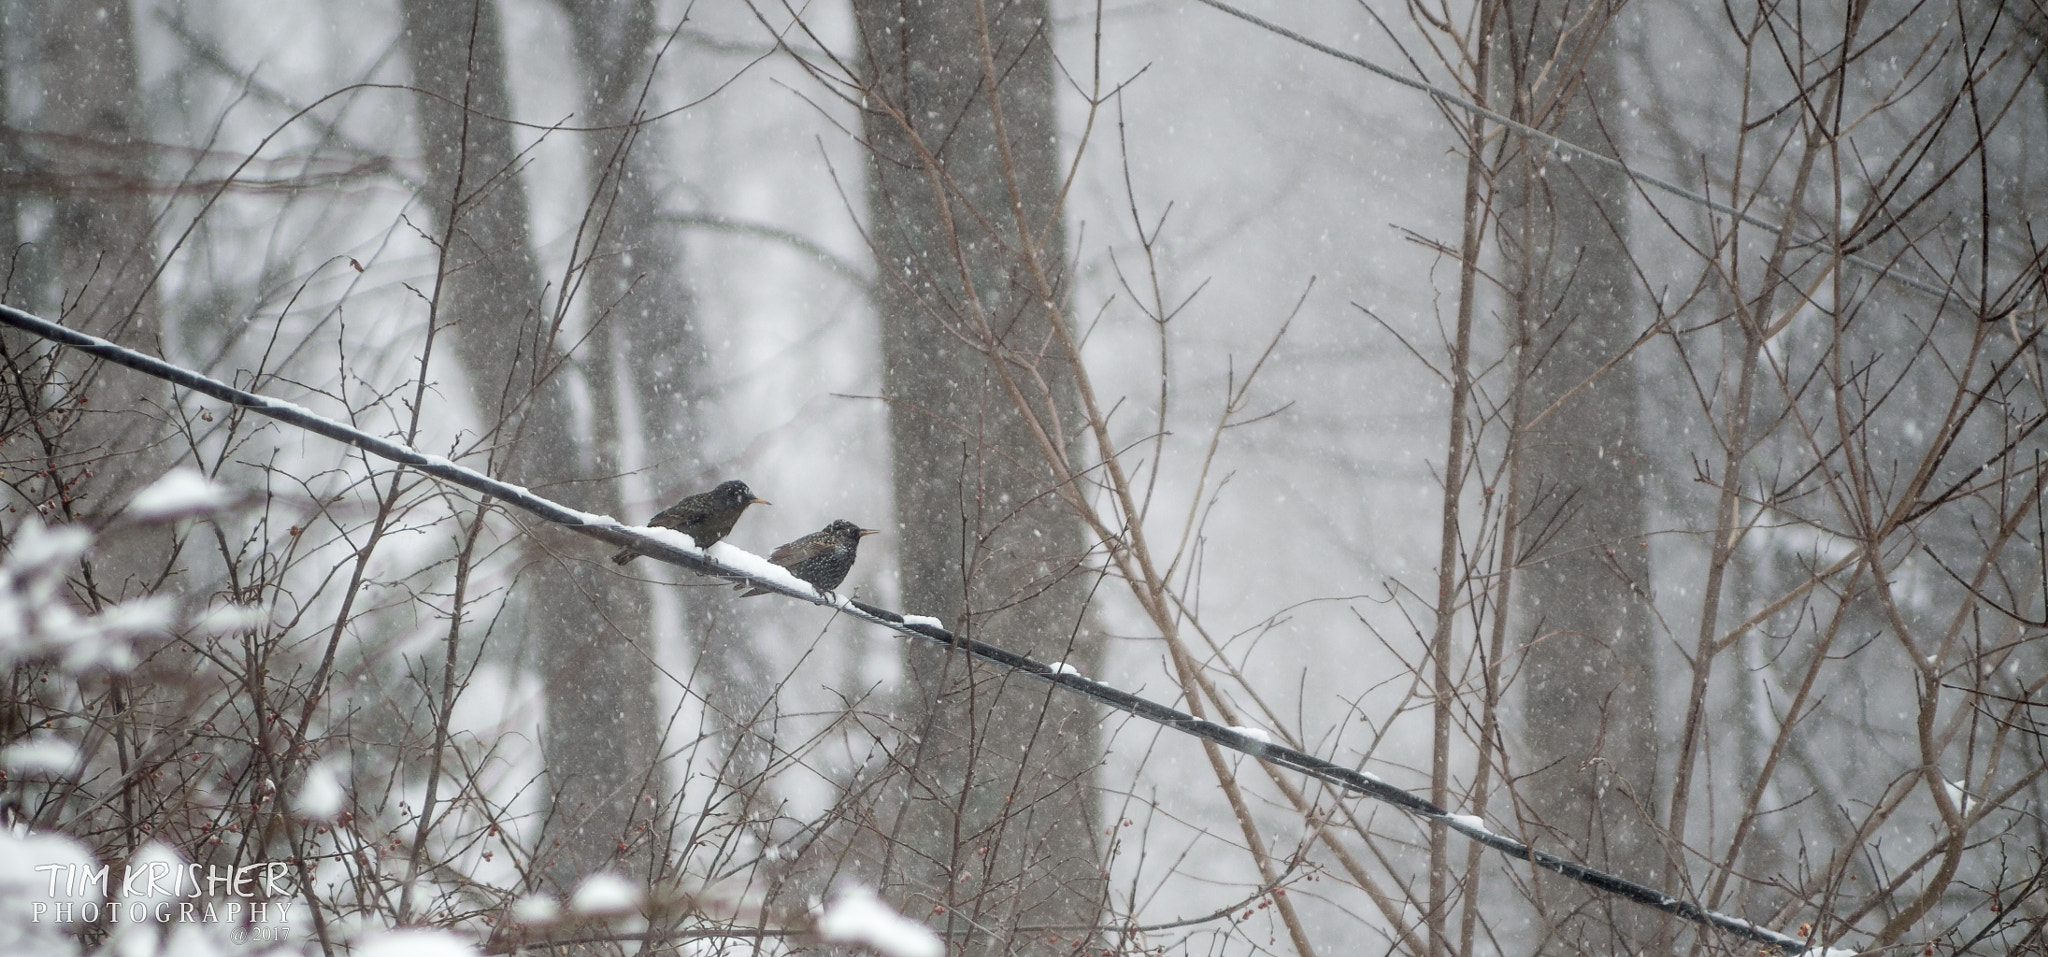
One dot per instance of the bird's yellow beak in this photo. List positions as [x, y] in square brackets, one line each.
[870, 531]
[759, 501]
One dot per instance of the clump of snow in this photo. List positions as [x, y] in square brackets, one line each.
[284, 405]
[182, 492]
[415, 942]
[1468, 821]
[31, 573]
[924, 620]
[23, 888]
[575, 517]
[1255, 735]
[219, 620]
[680, 541]
[36, 545]
[1062, 668]
[536, 909]
[42, 756]
[137, 618]
[1957, 796]
[754, 566]
[321, 796]
[39, 620]
[856, 916]
[605, 894]
[101, 642]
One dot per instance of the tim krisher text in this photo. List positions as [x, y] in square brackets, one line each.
[265, 893]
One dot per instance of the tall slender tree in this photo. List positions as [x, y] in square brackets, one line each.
[1588, 668]
[94, 156]
[963, 191]
[634, 280]
[599, 722]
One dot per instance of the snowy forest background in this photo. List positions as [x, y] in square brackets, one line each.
[1694, 533]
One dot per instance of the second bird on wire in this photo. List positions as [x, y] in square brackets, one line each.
[821, 558]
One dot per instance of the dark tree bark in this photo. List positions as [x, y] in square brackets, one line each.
[599, 722]
[99, 154]
[1000, 811]
[635, 280]
[1588, 673]
[13, 163]
[93, 156]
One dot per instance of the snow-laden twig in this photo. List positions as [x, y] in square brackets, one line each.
[856, 916]
[182, 492]
[739, 566]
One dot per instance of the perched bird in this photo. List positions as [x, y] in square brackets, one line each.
[821, 558]
[705, 516]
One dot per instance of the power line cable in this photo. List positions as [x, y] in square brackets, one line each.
[733, 564]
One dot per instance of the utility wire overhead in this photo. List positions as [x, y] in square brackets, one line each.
[743, 567]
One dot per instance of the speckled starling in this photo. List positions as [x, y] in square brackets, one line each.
[821, 558]
[705, 516]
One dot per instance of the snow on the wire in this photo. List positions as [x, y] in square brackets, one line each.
[592, 519]
[283, 405]
[748, 563]
[1468, 821]
[1255, 735]
[1062, 668]
[182, 492]
[925, 620]
[856, 916]
[680, 541]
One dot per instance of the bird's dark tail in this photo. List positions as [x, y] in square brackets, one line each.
[625, 555]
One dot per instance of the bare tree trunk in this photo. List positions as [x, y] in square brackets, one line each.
[15, 159]
[656, 356]
[1588, 672]
[1000, 815]
[93, 118]
[634, 276]
[599, 723]
[17, 264]
[95, 157]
